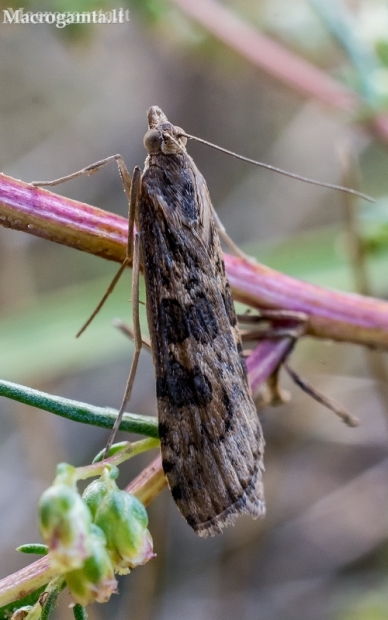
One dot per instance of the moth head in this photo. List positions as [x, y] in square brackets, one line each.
[165, 139]
[162, 136]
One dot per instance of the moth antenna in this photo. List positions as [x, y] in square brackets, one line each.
[293, 175]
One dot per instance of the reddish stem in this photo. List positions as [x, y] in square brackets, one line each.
[333, 314]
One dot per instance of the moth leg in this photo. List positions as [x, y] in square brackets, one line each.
[290, 324]
[274, 315]
[131, 188]
[133, 194]
[228, 241]
[128, 331]
[137, 341]
[320, 397]
[91, 169]
[275, 395]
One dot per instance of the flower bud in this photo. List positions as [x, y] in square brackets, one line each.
[95, 581]
[65, 521]
[96, 490]
[124, 521]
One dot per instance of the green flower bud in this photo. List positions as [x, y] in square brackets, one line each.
[95, 581]
[96, 491]
[124, 521]
[94, 494]
[65, 522]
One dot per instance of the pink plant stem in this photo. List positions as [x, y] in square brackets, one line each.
[27, 580]
[264, 359]
[333, 314]
[69, 222]
[149, 483]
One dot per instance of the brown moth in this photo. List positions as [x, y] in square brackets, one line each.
[211, 439]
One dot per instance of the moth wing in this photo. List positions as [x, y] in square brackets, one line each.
[211, 438]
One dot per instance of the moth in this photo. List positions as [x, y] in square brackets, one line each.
[211, 439]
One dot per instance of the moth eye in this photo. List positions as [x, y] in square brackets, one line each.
[152, 141]
[179, 130]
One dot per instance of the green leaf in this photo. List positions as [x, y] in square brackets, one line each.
[35, 548]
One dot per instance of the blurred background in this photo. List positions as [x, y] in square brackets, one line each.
[72, 96]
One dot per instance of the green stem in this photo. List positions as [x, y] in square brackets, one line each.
[131, 449]
[52, 592]
[79, 412]
[79, 612]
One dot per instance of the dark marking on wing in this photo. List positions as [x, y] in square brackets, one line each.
[201, 319]
[184, 386]
[172, 321]
[167, 466]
